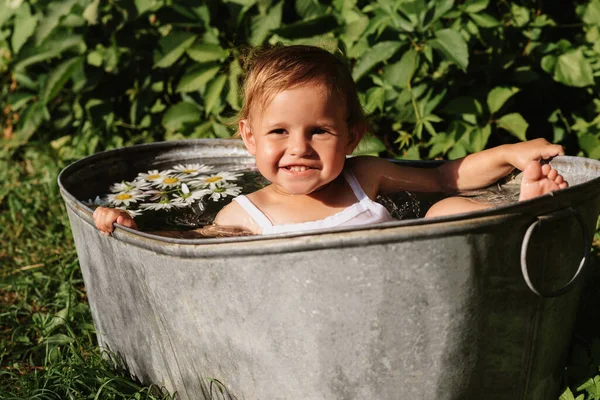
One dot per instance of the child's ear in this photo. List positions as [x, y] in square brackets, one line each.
[355, 136]
[247, 136]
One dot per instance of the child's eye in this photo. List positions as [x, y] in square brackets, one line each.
[277, 131]
[318, 131]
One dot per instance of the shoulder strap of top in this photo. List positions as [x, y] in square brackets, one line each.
[354, 184]
[259, 217]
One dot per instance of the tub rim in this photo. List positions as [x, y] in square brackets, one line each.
[387, 232]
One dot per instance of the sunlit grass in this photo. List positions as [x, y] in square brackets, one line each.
[48, 347]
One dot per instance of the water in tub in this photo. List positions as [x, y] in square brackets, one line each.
[184, 197]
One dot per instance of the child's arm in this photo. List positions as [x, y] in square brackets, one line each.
[486, 167]
[471, 172]
[104, 218]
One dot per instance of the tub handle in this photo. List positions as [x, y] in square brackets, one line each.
[567, 212]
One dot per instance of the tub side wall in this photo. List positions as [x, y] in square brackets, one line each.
[365, 322]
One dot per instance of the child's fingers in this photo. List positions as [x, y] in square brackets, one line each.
[552, 150]
[127, 221]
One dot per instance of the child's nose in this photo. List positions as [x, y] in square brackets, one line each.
[299, 145]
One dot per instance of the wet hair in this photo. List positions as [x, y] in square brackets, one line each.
[271, 70]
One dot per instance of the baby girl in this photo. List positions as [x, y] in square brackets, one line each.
[302, 117]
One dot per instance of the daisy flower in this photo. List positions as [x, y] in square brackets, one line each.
[184, 200]
[123, 187]
[141, 184]
[215, 180]
[190, 169]
[95, 202]
[168, 182]
[221, 191]
[152, 176]
[163, 204]
[125, 198]
[132, 213]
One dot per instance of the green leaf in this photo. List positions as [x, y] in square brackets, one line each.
[474, 6]
[91, 12]
[400, 73]
[479, 137]
[548, 63]
[572, 69]
[520, 14]
[179, 115]
[58, 339]
[172, 47]
[197, 77]
[58, 77]
[51, 48]
[567, 395]
[592, 387]
[441, 8]
[204, 52]
[375, 99]
[233, 95]
[56, 10]
[24, 27]
[146, 5]
[463, 105]
[220, 130]
[213, 93]
[590, 144]
[369, 145]
[31, 120]
[308, 9]
[308, 28]
[452, 46]
[591, 16]
[412, 153]
[498, 96]
[515, 124]
[380, 52]
[18, 100]
[457, 151]
[484, 20]
[262, 25]
[354, 30]
[95, 58]
[6, 11]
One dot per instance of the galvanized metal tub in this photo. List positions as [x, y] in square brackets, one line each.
[424, 309]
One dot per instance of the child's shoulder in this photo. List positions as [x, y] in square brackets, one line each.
[233, 214]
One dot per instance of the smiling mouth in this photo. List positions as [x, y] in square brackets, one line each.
[297, 168]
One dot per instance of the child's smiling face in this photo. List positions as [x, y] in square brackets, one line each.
[300, 139]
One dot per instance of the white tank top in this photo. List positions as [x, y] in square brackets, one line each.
[363, 212]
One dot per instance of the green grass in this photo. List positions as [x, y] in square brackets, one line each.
[48, 348]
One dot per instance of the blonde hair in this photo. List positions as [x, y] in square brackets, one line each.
[271, 70]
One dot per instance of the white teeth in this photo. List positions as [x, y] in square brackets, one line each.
[297, 168]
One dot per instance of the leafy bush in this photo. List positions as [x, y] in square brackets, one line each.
[440, 78]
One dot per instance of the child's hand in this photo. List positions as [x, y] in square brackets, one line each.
[104, 218]
[523, 153]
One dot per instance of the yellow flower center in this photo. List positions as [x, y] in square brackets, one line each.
[170, 181]
[189, 171]
[213, 179]
[153, 177]
[123, 196]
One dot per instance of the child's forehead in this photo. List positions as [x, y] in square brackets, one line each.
[266, 97]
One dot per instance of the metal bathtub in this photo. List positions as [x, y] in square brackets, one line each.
[415, 309]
